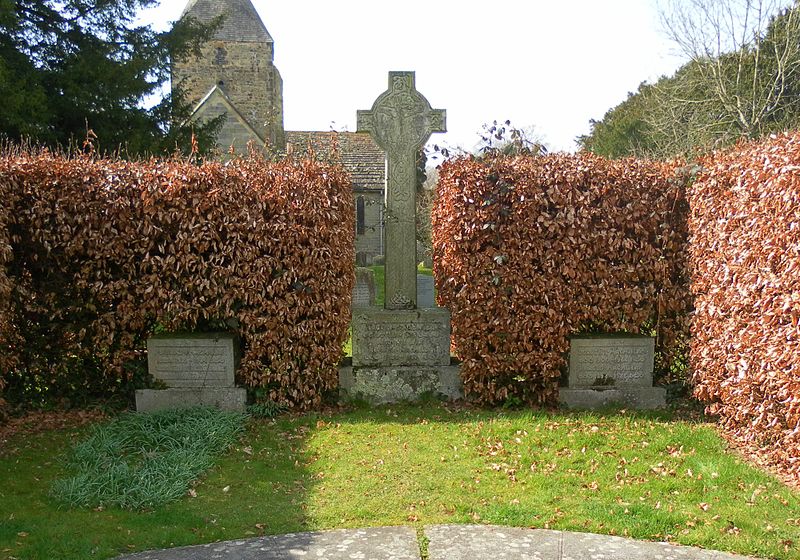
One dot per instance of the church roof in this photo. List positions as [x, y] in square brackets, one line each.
[242, 22]
[358, 153]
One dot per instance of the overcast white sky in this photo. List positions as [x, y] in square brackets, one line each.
[552, 64]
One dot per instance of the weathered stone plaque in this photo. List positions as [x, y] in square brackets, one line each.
[224, 398]
[192, 361]
[425, 292]
[408, 338]
[198, 370]
[611, 361]
[606, 370]
[403, 383]
[364, 289]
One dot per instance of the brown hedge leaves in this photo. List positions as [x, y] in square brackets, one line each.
[95, 253]
[745, 232]
[530, 250]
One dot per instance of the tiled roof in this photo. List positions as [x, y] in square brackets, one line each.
[356, 151]
[241, 23]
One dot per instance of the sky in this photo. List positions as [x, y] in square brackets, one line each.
[551, 65]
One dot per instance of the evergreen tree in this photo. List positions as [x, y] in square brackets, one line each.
[72, 66]
[623, 130]
[741, 81]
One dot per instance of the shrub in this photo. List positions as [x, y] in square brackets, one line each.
[530, 250]
[99, 252]
[146, 460]
[745, 252]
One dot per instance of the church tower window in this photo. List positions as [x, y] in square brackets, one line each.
[220, 56]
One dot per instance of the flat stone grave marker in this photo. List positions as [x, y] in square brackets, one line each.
[599, 361]
[364, 288]
[612, 369]
[425, 292]
[388, 339]
[196, 361]
[197, 369]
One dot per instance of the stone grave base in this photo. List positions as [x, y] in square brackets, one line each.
[400, 356]
[384, 338]
[225, 398]
[381, 385]
[633, 397]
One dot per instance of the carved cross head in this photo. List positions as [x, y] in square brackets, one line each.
[401, 119]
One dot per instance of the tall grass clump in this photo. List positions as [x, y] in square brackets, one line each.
[146, 460]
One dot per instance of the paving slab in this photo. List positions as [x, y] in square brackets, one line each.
[474, 542]
[389, 543]
[478, 542]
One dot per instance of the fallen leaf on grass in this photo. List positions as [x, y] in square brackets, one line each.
[732, 529]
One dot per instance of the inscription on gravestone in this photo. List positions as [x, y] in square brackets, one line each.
[425, 292]
[206, 361]
[614, 369]
[626, 361]
[198, 370]
[386, 338]
[401, 121]
[361, 295]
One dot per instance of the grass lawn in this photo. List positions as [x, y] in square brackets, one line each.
[380, 274]
[648, 476]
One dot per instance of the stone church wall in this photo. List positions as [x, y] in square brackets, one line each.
[233, 133]
[245, 72]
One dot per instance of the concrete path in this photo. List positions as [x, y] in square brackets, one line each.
[445, 542]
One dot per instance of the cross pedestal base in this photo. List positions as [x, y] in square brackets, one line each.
[401, 356]
[383, 385]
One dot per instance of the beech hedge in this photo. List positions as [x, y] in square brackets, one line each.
[95, 254]
[745, 253]
[530, 250]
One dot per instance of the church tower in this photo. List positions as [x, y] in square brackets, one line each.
[235, 76]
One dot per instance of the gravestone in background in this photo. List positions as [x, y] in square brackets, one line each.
[196, 370]
[425, 292]
[364, 288]
[401, 352]
[613, 369]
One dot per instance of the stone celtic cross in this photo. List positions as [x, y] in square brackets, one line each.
[401, 121]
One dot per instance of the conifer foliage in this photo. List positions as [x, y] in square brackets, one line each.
[70, 66]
